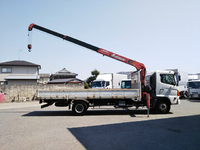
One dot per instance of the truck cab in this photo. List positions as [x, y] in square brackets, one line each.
[108, 81]
[162, 87]
[126, 84]
[194, 89]
[101, 84]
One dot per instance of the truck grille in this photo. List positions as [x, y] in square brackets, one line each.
[195, 94]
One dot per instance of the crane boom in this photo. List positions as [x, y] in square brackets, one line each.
[137, 65]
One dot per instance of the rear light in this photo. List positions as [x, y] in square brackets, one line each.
[178, 93]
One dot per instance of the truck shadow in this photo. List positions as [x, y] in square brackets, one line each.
[91, 112]
[132, 113]
[48, 113]
[167, 134]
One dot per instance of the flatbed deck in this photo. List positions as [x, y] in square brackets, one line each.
[90, 94]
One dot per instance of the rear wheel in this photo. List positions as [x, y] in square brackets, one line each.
[163, 107]
[79, 108]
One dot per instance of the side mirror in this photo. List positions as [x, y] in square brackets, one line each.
[179, 78]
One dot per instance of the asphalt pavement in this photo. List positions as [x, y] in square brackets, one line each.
[25, 125]
[18, 105]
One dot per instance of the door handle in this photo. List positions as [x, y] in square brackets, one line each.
[161, 90]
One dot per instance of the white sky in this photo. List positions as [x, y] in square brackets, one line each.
[161, 34]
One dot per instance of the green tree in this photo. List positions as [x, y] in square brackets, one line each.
[86, 86]
[89, 80]
[95, 73]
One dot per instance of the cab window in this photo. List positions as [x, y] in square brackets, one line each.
[167, 79]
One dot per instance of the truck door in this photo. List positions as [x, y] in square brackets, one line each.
[166, 86]
[107, 85]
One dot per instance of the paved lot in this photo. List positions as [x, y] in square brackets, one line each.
[25, 126]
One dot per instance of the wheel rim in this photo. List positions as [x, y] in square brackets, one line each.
[163, 107]
[79, 108]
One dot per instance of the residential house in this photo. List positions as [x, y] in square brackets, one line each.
[64, 77]
[19, 72]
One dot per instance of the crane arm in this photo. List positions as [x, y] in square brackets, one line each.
[137, 65]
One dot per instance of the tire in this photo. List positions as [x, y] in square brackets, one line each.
[79, 108]
[163, 107]
[185, 95]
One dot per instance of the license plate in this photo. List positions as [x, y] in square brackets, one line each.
[195, 95]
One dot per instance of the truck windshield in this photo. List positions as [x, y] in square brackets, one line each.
[126, 84]
[98, 84]
[194, 85]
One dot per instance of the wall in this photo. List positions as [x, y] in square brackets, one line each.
[25, 70]
[22, 82]
[21, 92]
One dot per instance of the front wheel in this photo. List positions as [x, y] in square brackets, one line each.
[79, 108]
[185, 95]
[163, 107]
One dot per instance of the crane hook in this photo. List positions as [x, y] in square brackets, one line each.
[29, 47]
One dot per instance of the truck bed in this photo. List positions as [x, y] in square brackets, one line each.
[90, 94]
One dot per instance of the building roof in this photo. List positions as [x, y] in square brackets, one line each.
[19, 63]
[58, 81]
[64, 72]
[22, 77]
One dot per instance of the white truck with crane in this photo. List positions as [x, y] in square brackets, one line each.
[160, 96]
